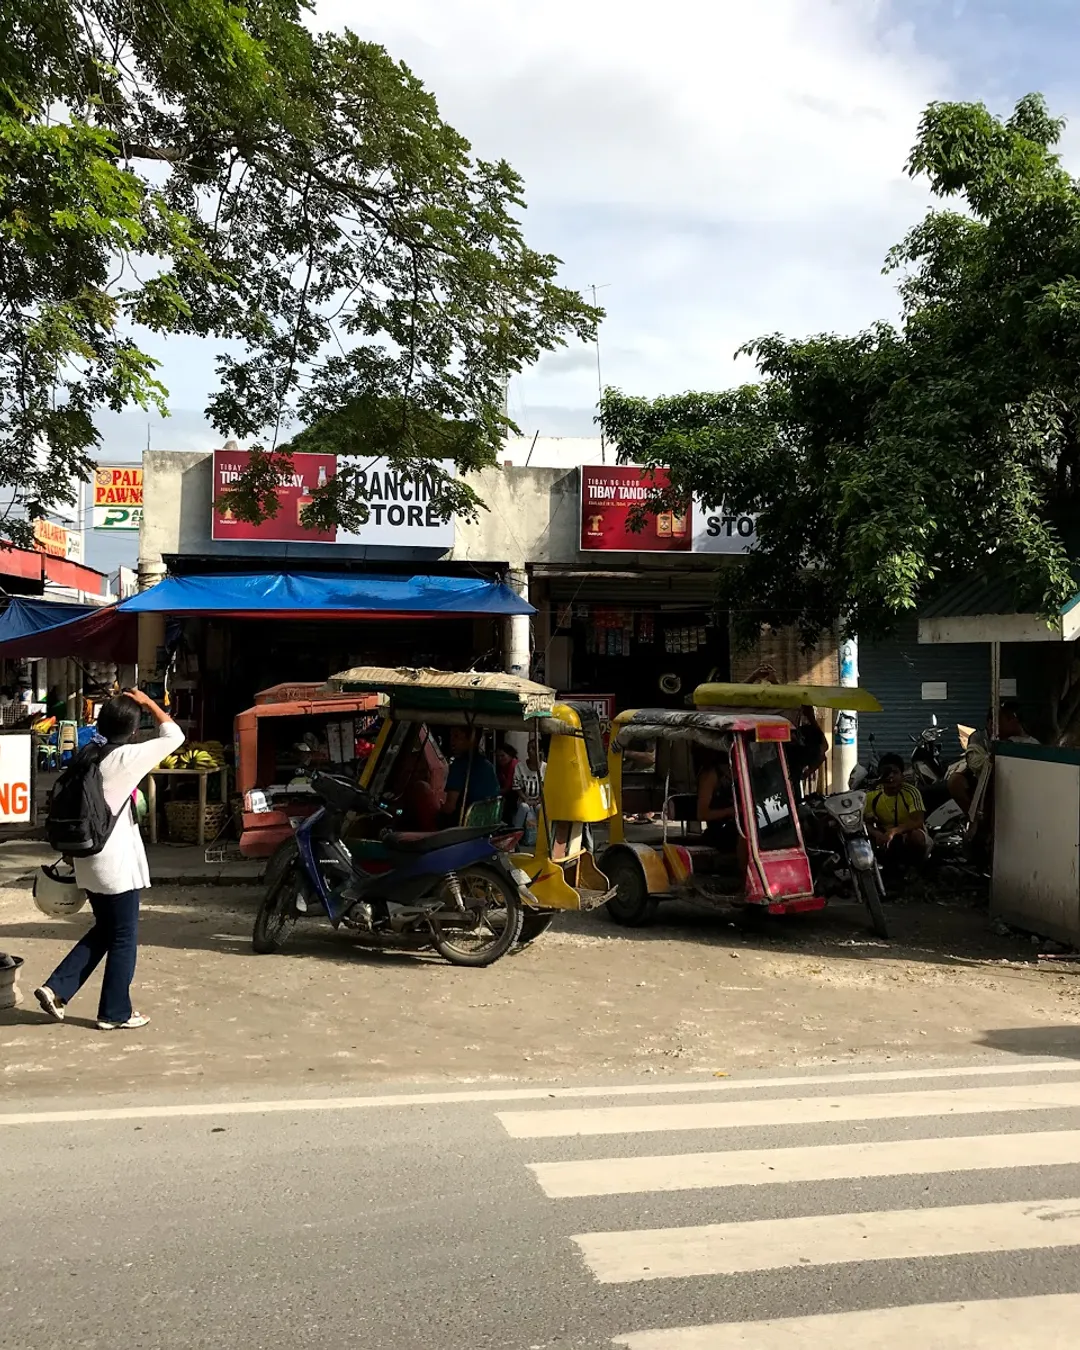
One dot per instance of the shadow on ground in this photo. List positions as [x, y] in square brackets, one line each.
[1041, 1042]
[940, 932]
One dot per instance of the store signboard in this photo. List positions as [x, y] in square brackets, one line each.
[400, 510]
[58, 542]
[118, 497]
[603, 703]
[719, 530]
[16, 797]
[609, 494]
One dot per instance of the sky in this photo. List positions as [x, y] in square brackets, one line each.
[722, 169]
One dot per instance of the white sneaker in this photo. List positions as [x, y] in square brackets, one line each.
[50, 1004]
[134, 1021]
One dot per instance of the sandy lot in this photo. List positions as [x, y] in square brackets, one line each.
[587, 1000]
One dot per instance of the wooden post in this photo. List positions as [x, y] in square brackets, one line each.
[201, 836]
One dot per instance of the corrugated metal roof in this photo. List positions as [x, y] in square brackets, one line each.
[977, 594]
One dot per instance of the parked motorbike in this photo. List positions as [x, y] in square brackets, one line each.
[843, 857]
[864, 776]
[455, 890]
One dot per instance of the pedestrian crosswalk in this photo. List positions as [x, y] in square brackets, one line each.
[787, 1184]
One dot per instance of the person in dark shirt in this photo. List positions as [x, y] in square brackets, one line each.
[470, 778]
[806, 751]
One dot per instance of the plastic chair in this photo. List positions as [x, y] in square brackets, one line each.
[488, 812]
[68, 741]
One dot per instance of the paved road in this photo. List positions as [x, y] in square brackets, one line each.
[861, 1211]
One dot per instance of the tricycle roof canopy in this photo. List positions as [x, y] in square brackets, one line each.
[834, 696]
[648, 724]
[476, 692]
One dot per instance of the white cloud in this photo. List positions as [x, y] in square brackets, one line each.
[730, 167]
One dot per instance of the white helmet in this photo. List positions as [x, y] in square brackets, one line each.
[56, 892]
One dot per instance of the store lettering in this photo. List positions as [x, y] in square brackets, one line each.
[419, 517]
[726, 526]
[285, 480]
[14, 799]
[607, 492]
[391, 487]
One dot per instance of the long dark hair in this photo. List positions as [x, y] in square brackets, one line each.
[119, 719]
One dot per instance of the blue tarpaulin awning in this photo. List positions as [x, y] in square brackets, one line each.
[327, 595]
[39, 628]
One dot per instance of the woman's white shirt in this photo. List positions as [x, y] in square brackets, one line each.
[121, 865]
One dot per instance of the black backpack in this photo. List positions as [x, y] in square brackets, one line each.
[79, 822]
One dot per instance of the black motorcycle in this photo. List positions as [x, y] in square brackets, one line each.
[841, 853]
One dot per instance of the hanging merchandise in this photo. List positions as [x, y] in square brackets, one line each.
[670, 683]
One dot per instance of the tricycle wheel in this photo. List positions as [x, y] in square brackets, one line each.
[632, 906]
[872, 893]
[533, 925]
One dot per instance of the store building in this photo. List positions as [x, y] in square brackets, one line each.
[620, 615]
[39, 589]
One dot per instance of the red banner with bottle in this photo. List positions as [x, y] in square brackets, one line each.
[293, 493]
[609, 495]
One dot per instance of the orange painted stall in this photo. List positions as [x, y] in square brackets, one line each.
[277, 743]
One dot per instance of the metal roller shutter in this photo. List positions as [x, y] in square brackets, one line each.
[896, 670]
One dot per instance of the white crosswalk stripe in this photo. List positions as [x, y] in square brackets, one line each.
[852, 1239]
[715, 1115]
[1048, 1322]
[830, 1162]
[829, 1239]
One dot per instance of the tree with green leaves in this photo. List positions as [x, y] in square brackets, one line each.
[293, 197]
[884, 465]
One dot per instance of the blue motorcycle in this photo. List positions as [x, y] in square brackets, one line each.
[453, 890]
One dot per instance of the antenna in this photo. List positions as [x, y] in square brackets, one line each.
[599, 380]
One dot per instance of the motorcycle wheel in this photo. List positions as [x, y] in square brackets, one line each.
[499, 918]
[281, 857]
[872, 894]
[277, 914]
[533, 925]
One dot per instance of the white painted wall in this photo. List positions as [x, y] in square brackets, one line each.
[1036, 881]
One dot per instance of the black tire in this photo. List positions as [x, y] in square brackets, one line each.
[872, 894]
[277, 914]
[503, 922]
[533, 925]
[632, 906]
[277, 862]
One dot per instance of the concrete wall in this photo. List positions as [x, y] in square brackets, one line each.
[531, 516]
[1036, 882]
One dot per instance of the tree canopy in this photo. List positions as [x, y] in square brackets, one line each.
[882, 465]
[293, 197]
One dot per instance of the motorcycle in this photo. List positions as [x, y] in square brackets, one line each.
[848, 865]
[455, 890]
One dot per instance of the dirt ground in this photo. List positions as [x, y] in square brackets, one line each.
[587, 1000]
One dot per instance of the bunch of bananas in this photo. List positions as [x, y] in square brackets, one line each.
[205, 755]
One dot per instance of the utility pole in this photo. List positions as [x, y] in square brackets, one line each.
[599, 379]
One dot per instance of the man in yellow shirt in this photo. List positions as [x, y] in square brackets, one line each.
[896, 815]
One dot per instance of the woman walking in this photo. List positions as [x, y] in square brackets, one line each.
[114, 877]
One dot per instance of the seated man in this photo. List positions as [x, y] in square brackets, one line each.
[962, 784]
[470, 778]
[895, 815]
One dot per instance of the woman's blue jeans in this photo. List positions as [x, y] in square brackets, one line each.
[114, 936]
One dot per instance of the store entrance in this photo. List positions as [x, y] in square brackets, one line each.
[245, 656]
[645, 654]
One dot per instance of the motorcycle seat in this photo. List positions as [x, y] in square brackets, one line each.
[408, 841]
